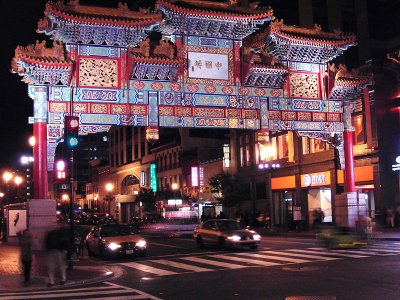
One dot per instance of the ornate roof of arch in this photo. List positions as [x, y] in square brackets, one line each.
[210, 18]
[156, 63]
[39, 64]
[75, 23]
[302, 44]
[347, 85]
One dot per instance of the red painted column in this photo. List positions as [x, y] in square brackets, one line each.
[40, 161]
[40, 184]
[349, 180]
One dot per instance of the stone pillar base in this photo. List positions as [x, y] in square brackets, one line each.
[349, 208]
[41, 218]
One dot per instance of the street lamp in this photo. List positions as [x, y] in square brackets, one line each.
[7, 176]
[109, 187]
[18, 181]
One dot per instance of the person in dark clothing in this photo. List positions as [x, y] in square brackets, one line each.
[57, 243]
[25, 243]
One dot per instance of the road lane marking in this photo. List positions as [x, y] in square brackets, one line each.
[248, 260]
[286, 259]
[284, 252]
[385, 250]
[322, 251]
[213, 262]
[112, 291]
[148, 269]
[181, 265]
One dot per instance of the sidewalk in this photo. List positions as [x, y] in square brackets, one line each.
[83, 272]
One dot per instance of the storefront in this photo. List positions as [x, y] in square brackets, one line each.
[319, 195]
[294, 205]
[284, 201]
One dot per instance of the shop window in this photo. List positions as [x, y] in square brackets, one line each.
[277, 148]
[359, 133]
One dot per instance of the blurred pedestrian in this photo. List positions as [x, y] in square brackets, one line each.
[390, 217]
[25, 244]
[203, 217]
[57, 246]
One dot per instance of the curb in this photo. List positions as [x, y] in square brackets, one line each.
[69, 283]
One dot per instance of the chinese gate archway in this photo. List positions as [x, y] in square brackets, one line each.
[217, 65]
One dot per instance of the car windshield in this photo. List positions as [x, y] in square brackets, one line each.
[116, 230]
[228, 225]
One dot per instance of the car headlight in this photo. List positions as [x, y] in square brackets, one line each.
[113, 246]
[256, 237]
[234, 238]
[141, 244]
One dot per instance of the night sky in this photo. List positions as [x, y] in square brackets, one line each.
[18, 23]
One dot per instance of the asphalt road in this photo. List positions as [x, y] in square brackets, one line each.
[282, 267]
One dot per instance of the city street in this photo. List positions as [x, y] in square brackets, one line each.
[282, 267]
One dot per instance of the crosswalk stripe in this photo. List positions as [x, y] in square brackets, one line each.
[52, 291]
[247, 260]
[111, 290]
[148, 269]
[286, 253]
[285, 259]
[357, 252]
[213, 262]
[181, 265]
[322, 251]
[385, 250]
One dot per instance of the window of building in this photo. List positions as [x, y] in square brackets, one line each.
[244, 150]
[127, 182]
[313, 145]
[359, 132]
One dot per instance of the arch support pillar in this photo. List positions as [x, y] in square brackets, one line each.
[41, 210]
[39, 94]
[350, 207]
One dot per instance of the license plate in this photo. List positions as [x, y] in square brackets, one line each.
[129, 251]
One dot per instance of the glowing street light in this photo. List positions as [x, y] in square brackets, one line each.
[109, 187]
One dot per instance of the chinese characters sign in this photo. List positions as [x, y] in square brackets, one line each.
[208, 65]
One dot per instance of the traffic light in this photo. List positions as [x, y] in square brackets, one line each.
[71, 129]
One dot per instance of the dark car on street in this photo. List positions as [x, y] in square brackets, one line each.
[115, 240]
[225, 233]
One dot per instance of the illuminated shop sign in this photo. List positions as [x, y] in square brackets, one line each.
[195, 176]
[153, 177]
[396, 166]
[315, 179]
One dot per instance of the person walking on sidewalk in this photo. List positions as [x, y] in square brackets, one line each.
[25, 244]
[56, 246]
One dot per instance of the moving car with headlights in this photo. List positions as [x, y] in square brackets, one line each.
[225, 233]
[115, 240]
